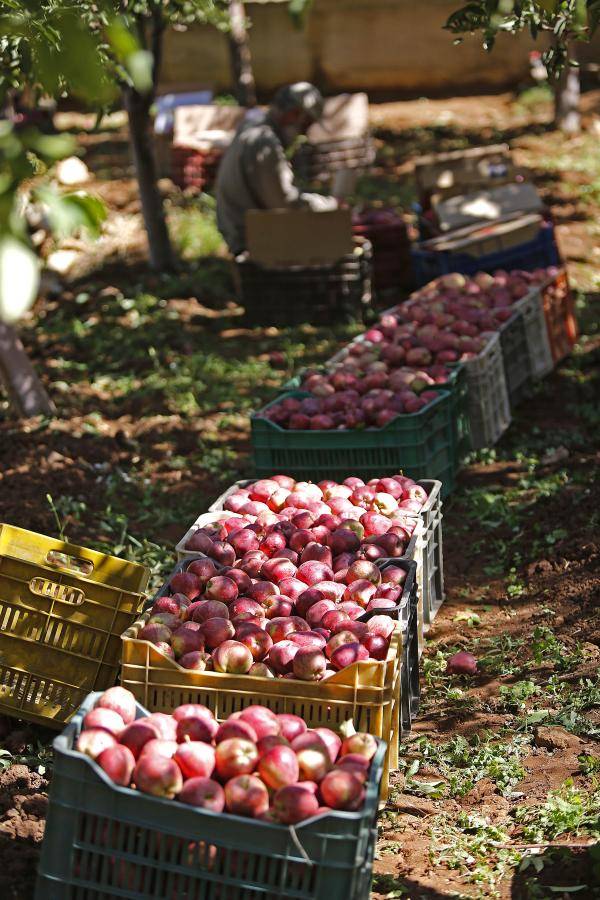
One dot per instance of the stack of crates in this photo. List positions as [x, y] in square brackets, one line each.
[368, 693]
[63, 609]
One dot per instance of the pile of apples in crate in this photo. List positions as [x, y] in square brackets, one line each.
[297, 572]
[395, 366]
[255, 764]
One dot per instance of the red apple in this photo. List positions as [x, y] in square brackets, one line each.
[309, 665]
[196, 661]
[262, 720]
[195, 759]
[216, 632]
[361, 743]
[257, 641]
[158, 775]
[121, 701]
[232, 657]
[195, 728]
[203, 793]
[313, 572]
[118, 762]
[291, 726]
[261, 670]
[313, 760]
[307, 640]
[106, 719]
[281, 656]
[235, 756]
[155, 633]
[137, 734]
[235, 728]
[246, 795]
[341, 789]
[186, 583]
[376, 645]
[186, 640]
[347, 655]
[293, 804]
[160, 747]
[95, 741]
[278, 767]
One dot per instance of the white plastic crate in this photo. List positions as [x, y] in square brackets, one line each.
[531, 308]
[203, 519]
[488, 403]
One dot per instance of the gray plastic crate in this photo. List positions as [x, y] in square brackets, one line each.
[104, 842]
[488, 401]
[517, 364]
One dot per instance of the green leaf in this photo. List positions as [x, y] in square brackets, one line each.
[137, 63]
[50, 146]
[298, 10]
[139, 68]
[19, 278]
[69, 212]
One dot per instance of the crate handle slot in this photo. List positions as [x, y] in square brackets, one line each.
[73, 563]
[65, 593]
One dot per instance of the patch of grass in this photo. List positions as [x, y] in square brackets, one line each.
[194, 228]
[535, 99]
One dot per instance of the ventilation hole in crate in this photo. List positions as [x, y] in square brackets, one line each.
[66, 561]
[65, 593]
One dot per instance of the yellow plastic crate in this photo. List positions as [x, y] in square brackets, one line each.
[62, 611]
[368, 692]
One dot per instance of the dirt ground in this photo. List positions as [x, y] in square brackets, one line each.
[499, 784]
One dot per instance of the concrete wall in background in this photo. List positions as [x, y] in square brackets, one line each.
[374, 45]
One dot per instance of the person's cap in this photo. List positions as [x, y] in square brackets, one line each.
[303, 96]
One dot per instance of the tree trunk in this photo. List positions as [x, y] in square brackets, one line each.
[566, 98]
[24, 388]
[138, 112]
[241, 60]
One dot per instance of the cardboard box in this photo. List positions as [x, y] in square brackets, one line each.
[461, 168]
[203, 127]
[479, 207]
[483, 239]
[298, 237]
[345, 118]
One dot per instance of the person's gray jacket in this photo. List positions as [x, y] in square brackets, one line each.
[255, 174]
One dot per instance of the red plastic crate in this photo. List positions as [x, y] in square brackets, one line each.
[559, 311]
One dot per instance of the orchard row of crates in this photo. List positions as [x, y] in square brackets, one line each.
[64, 608]
[472, 410]
[71, 620]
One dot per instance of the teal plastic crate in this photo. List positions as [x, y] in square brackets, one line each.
[104, 842]
[422, 445]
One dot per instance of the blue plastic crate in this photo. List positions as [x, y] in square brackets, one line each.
[538, 253]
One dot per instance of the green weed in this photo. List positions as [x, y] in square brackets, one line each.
[462, 763]
[566, 811]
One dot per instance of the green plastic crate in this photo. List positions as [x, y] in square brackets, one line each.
[422, 445]
[104, 842]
